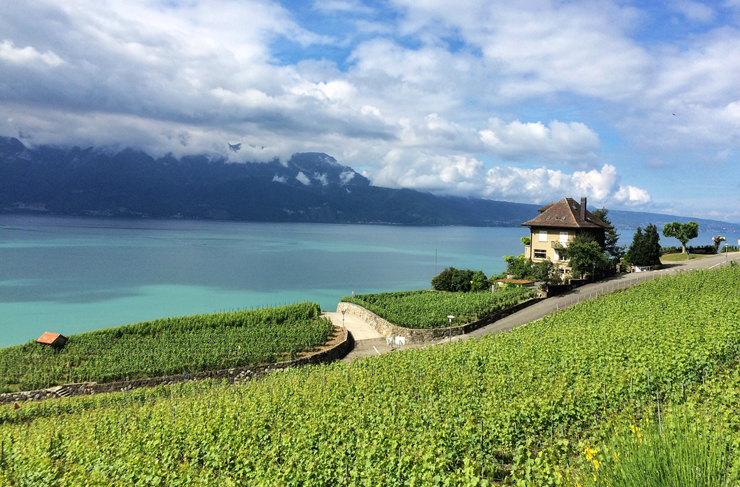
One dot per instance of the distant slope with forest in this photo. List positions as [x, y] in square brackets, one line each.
[309, 187]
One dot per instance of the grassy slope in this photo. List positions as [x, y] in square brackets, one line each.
[168, 346]
[464, 413]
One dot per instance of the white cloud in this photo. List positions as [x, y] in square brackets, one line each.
[27, 55]
[346, 6]
[303, 178]
[542, 185]
[694, 11]
[346, 176]
[429, 90]
[322, 178]
[567, 142]
[279, 179]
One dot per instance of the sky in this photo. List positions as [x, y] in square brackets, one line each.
[635, 105]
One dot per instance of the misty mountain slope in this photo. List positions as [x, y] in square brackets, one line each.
[309, 187]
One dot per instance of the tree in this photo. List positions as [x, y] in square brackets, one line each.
[519, 267]
[480, 282]
[645, 247]
[683, 232]
[526, 240]
[585, 255]
[544, 271]
[459, 280]
[610, 241]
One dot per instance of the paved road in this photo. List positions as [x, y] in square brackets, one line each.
[368, 346]
[621, 281]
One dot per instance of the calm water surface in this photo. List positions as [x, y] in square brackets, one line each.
[68, 275]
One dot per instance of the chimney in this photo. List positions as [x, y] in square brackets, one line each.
[583, 208]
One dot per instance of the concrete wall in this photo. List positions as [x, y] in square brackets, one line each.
[236, 375]
[413, 335]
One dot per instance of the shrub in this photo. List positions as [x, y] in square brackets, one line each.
[459, 280]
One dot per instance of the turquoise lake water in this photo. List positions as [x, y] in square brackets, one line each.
[67, 275]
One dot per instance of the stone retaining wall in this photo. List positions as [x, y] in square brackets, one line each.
[413, 335]
[235, 375]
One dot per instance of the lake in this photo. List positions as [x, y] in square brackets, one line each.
[68, 274]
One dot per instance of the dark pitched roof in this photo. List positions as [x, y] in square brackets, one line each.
[566, 213]
[544, 208]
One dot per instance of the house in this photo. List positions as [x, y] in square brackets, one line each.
[559, 223]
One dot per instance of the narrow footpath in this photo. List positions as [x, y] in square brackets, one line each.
[369, 342]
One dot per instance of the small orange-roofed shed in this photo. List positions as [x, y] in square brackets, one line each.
[53, 339]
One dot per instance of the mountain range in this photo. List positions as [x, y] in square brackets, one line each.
[309, 187]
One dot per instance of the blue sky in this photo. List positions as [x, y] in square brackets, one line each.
[633, 104]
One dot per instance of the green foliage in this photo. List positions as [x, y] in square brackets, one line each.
[678, 449]
[683, 232]
[168, 346]
[616, 252]
[429, 309]
[453, 280]
[526, 240]
[452, 415]
[645, 248]
[519, 267]
[480, 282]
[545, 271]
[585, 255]
[459, 280]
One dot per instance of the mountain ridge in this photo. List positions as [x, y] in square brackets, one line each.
[309, 187]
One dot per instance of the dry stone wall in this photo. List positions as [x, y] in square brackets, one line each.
[414, 335]
[235, 375]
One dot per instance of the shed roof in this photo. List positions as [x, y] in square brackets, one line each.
[566, 213]
[49, 338]
[516, 281]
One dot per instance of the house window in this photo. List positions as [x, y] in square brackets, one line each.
[563, 238]
[540, 254]
[557, 256]
[543, 235]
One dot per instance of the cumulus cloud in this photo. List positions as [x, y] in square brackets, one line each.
[569, 142]
[467, 176]
[542, 185]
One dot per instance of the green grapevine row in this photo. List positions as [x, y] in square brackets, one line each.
[168, 346]
[429, 309]
[467, 413]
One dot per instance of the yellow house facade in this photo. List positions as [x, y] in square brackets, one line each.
[559, 223]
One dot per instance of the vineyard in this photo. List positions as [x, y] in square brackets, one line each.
[429, 309]
[521, 406]
[168, 346]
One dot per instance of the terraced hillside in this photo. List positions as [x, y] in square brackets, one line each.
[517, 406]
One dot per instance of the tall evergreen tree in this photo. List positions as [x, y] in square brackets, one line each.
[645, 248]
[611, 238]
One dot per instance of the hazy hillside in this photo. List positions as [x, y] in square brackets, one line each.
[310, 187]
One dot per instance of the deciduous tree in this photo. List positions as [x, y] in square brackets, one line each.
[585, 255]
[683, 232]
